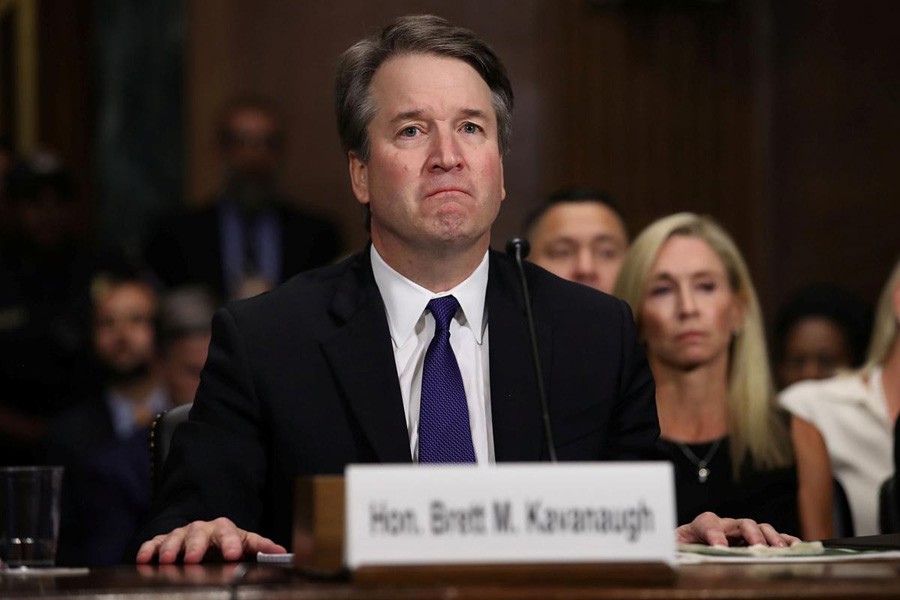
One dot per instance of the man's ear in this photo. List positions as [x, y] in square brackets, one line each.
[359, 177]
[502, 182]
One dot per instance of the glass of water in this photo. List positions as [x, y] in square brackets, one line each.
[29, 515]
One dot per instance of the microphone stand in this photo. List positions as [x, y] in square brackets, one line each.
[518, 249]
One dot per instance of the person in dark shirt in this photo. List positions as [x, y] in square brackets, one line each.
[697, 311]
[103, 442]
[250, 237]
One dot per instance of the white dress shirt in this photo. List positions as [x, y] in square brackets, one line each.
[412, 329]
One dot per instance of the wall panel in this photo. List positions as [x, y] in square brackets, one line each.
[779, 119]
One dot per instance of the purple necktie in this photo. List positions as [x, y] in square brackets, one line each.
[444, 432]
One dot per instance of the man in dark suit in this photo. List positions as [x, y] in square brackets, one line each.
[331, 368]
[251, 237]
[102, 442]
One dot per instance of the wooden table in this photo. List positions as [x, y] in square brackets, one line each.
[249, 581]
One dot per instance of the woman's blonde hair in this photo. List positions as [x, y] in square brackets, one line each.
[754, 425]
[884, 333]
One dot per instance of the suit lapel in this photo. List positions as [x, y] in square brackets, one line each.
[361, 356]
[515, 408]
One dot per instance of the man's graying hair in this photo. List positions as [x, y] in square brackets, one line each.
[418, 34]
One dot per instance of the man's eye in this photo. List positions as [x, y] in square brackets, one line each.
[559, 252]
[471, 128]
[409, 132]
[607, 253]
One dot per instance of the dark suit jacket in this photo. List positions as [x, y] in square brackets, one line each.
[187, 248]
[106, 485]
[302, 380]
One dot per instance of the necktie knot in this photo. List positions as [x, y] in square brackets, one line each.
[443, 310]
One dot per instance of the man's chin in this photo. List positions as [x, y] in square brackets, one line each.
[453, 242]
[122, 374]
[455, 230]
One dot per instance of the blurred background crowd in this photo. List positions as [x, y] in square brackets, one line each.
[159, 159]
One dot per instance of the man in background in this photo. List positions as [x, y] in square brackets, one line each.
[103, 442]
[250, 237]
[578, 234]
[185, 318]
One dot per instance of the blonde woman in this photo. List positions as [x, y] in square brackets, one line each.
[856, 412]
[697, 312]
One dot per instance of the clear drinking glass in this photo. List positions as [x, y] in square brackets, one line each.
[29, 515]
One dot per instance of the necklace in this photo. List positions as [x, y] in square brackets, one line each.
[700, 463]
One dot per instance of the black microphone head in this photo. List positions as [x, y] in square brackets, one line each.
[518, 244]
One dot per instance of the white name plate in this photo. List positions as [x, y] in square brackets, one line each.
[511, 513]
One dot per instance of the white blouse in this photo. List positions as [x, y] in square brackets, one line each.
[852, 416]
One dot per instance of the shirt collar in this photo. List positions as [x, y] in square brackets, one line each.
[122, 410]
[406, 300]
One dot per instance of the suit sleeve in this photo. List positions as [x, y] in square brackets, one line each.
[634, 424]
[217, 463]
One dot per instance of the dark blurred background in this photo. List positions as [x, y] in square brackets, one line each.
[780, 119]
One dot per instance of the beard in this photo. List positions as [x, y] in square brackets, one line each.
[123, 375]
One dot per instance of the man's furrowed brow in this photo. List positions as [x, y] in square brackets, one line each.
[418, 114]
[408, 115]
[473, 113]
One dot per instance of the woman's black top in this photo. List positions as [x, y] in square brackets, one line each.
[764, 496]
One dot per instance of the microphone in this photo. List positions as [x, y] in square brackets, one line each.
[517, 248]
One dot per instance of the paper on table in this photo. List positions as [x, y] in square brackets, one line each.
[803, 552]
[758, 550]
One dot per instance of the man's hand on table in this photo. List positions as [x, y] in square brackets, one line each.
[713, 530]
[194, 540]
